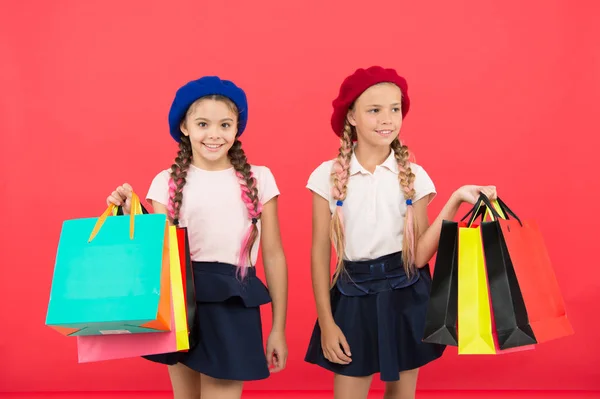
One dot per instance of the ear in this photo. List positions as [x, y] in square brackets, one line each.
[183, 128]
[350, 117]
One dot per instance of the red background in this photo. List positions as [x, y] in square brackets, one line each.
[503, 93]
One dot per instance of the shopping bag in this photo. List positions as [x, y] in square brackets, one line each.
[442, 309]
[474, 315]
[535, 274]
[181, 312]
[442, 312]
[187, 273]
[510, 319]
[111, 276]
[110, 347]
[500, 351]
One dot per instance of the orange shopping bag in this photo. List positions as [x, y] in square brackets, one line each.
[535, 273]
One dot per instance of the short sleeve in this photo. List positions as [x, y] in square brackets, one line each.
[319, 180]
[423, 184]
[159, 188]
[267, 186]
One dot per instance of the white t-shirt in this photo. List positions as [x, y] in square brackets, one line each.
[213, 211]
[375, 206]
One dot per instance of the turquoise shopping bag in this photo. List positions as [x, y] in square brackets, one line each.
[111, 275]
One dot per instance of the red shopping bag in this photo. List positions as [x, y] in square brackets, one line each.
[536, 277]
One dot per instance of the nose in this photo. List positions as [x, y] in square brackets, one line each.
[385, 117]
[213, 134]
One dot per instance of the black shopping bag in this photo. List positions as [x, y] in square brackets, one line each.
[509, 311]
[442, 310]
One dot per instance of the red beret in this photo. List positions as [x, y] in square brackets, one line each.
[355, 84]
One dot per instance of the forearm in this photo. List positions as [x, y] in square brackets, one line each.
[277, 281]
[320, 283]
[430, 238]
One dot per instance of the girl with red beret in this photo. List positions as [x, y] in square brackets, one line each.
[371, 202]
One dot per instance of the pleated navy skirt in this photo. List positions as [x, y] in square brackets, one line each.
[228, 328]
[382, 315]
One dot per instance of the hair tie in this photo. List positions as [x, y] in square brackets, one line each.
[339, 202]
[176, 222]
[254, 220]
[408, 202]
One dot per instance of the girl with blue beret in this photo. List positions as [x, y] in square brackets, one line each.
[229, 208]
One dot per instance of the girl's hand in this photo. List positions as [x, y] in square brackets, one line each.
[470, 193]
[121, 197]
[277, 351]
[334, 344]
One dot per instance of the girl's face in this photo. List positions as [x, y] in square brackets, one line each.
[211, 126]
[377, 114]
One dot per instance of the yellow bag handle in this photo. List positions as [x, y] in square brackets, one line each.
[498, 208]
[495, 209]
[136, 209]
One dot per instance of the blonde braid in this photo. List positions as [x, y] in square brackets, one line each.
[340, 175]
[406, 179]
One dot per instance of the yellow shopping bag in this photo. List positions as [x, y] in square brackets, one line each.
[474, 314]
[179, 310]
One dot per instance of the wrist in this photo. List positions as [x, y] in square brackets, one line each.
[455, 199]
[326, 322]
[277, 329]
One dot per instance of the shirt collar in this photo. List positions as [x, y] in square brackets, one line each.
[389, 163]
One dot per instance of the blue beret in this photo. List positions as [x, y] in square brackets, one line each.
[205, 86]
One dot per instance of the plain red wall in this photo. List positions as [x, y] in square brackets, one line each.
[502, 93]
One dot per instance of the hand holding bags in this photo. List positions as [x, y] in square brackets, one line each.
[505, 287]
[111, 275]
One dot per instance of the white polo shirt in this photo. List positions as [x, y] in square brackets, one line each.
[375, 206]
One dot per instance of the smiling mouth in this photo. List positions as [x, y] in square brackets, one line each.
[384, 132]
[212, 147]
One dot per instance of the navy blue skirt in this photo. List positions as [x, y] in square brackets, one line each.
[382, 314]
[228, 328]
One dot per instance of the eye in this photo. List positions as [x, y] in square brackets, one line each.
[202, 124]
[396, 109]
[225, 125]
[374, 110]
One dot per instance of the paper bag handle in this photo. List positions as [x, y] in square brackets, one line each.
[497, 208]
[136, 209]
